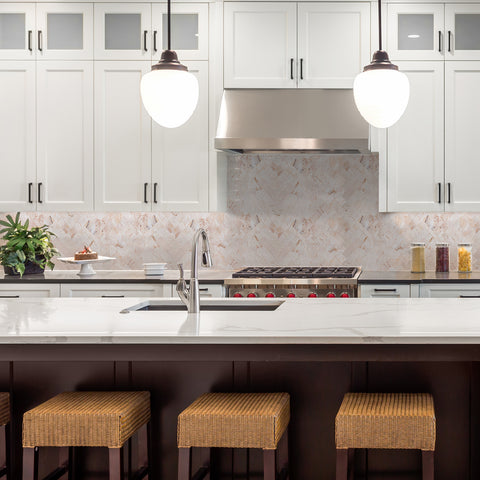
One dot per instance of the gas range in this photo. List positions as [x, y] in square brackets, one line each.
[291, 282]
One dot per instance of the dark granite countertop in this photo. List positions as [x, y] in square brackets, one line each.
[389, 277]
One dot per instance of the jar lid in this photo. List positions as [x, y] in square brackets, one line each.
[442, 244]
[417, 244]
[464, 244]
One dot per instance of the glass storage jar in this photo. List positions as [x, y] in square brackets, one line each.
[442, 258]
[418, 257]
[464, 257]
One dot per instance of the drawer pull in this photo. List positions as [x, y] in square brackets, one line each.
[113, 296]
[9, 296]
[469, 296]
[384, 289]
[203, 289]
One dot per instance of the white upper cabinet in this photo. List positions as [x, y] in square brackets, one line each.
[17, 135]
[462, 26]
[180, 156]
[416, 31]
[17, 30]
[122, 138]
[189, 30]
[415, 144]
[123, 31]
[462, 166]
[260, 45]
[333, 43]
[64, 31]
[64, 136]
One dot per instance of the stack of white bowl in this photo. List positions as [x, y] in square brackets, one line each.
[154, 268]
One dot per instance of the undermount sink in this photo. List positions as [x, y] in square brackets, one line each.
[206, 305]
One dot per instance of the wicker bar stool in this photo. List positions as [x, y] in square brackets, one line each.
[87, 419]
[235, 420]
[4, 435]
[385, 421]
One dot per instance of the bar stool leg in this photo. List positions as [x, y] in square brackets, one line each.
[351, 464]
[143, 462]
[30, 463]
[427, 465]
[115, 456]
[342, 464]
[5, 451]
[184, 463]
[269, 464]
[283, 457]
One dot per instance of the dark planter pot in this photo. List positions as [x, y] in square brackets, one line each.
[30, 269]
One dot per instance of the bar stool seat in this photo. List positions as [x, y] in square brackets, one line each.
[4, 434]
[386, 421]
[235, 420]
[87, 419]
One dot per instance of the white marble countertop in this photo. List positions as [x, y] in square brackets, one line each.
[296, 321]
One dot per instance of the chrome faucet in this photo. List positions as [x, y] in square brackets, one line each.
[190, 295]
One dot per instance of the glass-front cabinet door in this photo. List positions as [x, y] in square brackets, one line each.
[123, 31]
[17, 29]
[64, 31]
[189, 30]
[462, 29]
[416, 32]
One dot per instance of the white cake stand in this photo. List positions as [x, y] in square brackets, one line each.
[86, 266]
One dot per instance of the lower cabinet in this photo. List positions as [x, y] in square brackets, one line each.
[208, 290]
[387, 291]
[118, 290]
[450, 290]
[35, 290]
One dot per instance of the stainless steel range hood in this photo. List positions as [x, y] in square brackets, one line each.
[323, 121]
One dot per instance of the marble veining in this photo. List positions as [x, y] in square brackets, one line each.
[288, 209]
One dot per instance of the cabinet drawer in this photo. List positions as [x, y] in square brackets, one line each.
[385, 291]
[116, 290]
[445, 290]
[25, 291]
[211, 290]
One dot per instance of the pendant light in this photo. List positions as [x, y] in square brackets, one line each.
[381, 92]
[169, 92]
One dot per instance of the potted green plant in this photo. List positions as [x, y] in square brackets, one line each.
[26, 250]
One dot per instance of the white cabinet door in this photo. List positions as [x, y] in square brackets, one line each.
[462, 158]
[385, 291]
[17, 30]
[211, 290]
[65, 31]
[416, 31]
[13, 290]
[180, 156]
[415, 144]
[17, 135]
[333, 43]
[462, 27]
[122, 31]
[450, 290]
[189, 30]
[122, 138]
[115, 290]
[65, 135]
[260, 42]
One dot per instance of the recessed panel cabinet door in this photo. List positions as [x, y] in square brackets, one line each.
[180, 156]
[122, 138]
[333, 43]
[260, 42]
[17, 30]
[415, 144]
[64, 136]
[462, 157]
[17, 135]
[462, 28]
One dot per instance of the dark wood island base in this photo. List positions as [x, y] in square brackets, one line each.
[316, 376]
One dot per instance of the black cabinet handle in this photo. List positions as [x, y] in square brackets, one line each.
[301, 69]
[439, 192]
[9, 296]
[145, 40]
[449, 41]
[449, 193]
[291, 69]
[469, 296]
[155, 186]
[30, 185]
[40, 46]
[39, 192]
[154, 40]
[384, 289]
[30, 40]
[145, 199]
[440, 41]
[113, 296]
[203, 289]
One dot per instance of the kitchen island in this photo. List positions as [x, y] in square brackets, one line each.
[315, 349]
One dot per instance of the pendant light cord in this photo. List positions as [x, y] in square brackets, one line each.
[169, 15]
[379, 24]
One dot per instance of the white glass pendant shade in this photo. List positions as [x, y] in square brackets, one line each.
[170, 96]
[381, 96]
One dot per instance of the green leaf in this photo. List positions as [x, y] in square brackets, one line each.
[20, 268]
[10, 219]
[17, 217]
[26, 224]
[21, 256]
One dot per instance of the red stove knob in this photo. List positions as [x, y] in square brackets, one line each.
[312, 295]
[291, 295]
[345, 295]
[270, 295]
[331, 295]
[237, 295]
[252, 295]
